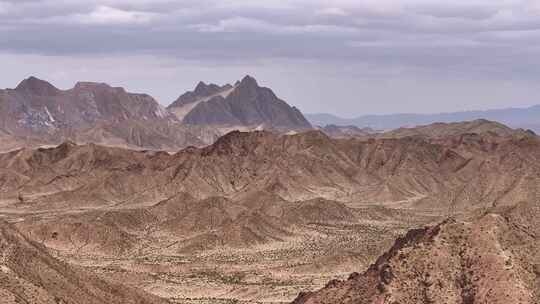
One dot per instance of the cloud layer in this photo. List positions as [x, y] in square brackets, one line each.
[464, 39]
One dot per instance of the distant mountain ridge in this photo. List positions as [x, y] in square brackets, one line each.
[201, 90]
[441, 129]
[526, 118]
[244, 104]
[38, 113]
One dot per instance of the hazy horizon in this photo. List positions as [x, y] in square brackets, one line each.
[347, 58]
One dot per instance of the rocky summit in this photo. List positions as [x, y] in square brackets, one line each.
[245, 104]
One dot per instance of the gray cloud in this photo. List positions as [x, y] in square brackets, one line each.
[483, 41]
[340, 29]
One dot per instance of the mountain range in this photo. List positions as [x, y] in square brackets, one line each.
[526, 118]
[260, 216]
[304, 166]
[37, 113]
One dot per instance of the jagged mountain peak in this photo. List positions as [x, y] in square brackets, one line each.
[203, 89]
[201, 92]
[200, 85]
[248, 81]
[244, 104]
[36, 86]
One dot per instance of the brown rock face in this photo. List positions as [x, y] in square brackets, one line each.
[489, 259]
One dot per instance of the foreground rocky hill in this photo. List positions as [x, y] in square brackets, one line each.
[490, 258]
[29, 274]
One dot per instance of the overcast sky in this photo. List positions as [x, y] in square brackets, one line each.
[347, 57]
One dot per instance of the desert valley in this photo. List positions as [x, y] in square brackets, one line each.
[230, 195]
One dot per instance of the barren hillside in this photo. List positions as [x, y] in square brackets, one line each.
[490, 258]
[259, 217]
[29, 274]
